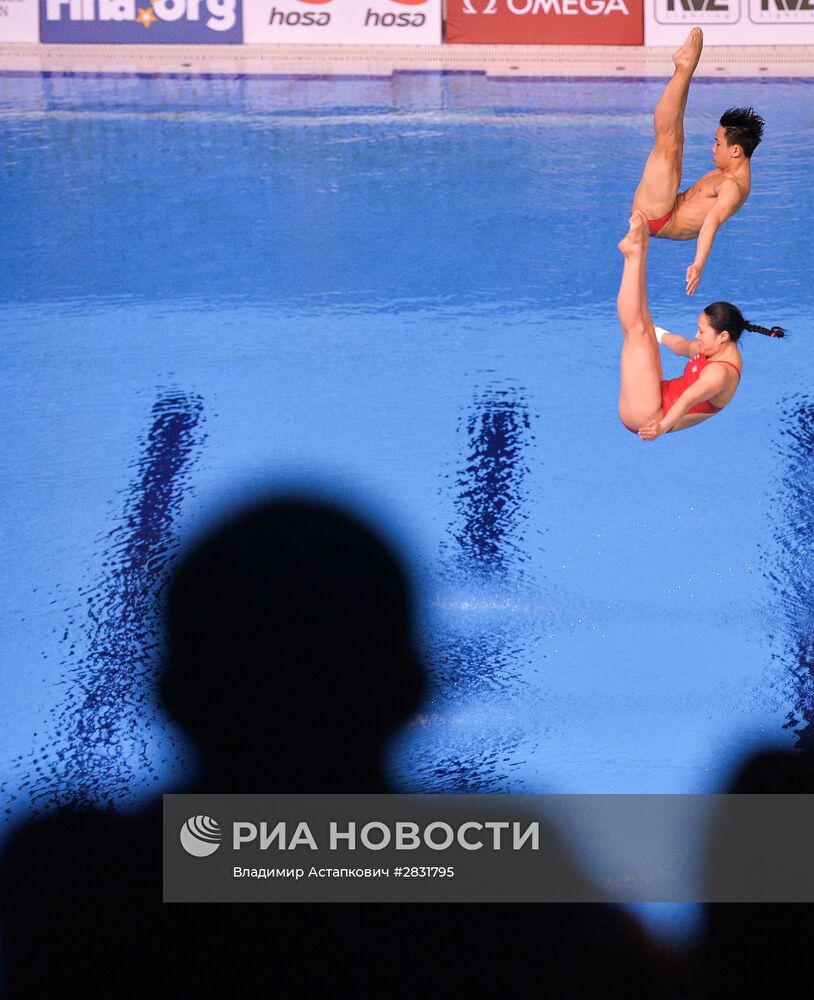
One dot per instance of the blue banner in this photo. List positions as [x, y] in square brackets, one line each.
[142, 22]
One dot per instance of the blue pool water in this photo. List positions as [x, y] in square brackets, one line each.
[401, 292]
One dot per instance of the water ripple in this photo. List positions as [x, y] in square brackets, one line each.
[793, 577]
[99, 743]
[486, 535]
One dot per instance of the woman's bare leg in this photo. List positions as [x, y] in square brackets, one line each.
[648, 319]
[661, 177]
[640, 383]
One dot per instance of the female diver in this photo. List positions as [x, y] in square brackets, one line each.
[649, 405]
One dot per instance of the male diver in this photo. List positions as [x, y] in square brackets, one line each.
[703, 208]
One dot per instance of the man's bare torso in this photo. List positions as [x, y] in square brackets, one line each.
[693, 205]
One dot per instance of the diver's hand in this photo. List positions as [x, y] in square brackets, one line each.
[651, 431]
[693, 277]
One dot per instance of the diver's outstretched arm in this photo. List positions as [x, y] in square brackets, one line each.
[678, 345]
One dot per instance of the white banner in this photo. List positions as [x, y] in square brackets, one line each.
[730, 22]
[19, 21]
[342, 22]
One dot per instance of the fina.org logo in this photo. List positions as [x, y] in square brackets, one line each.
[218, 15]
[200, 836]
[697, 11]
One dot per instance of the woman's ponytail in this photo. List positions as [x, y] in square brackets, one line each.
[775, 331]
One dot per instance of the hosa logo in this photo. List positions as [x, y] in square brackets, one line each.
[391, 19]
[781, 12]
[141, 21]
[698, 11]
[280, 16]
[301, 18]
[559, 8]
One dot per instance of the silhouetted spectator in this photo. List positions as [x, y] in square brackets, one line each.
[757, 949]
[291, 662]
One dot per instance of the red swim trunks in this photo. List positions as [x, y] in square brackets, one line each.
[656, 225]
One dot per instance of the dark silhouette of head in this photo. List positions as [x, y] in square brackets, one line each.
[744, 128]
[291, 650]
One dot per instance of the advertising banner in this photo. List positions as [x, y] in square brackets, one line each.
[343, 22]
[731, 22]
[545, 22]
[141, 22]
[19, 21]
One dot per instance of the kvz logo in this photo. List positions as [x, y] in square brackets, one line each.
[781, 12]
[697, 11]
[141, 21]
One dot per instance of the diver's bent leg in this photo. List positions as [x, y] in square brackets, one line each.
[661, 177]
[645, 305]
[631, 301]
[640, 366]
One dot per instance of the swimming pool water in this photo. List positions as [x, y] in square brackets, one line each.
[401, 292]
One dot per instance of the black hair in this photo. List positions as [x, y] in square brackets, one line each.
[724, 316]
[743, 128]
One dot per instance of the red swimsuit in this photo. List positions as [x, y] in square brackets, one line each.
[672, 388]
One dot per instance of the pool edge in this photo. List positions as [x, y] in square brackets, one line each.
[498, 61]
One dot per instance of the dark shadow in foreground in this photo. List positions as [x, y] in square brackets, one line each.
[756, 950]
[290, 662]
